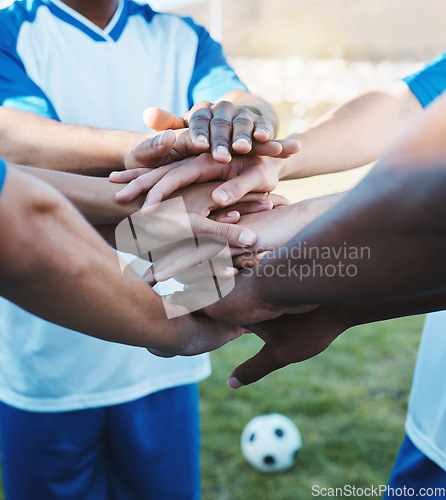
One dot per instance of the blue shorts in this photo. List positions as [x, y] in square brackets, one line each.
[413, 470]
[143, 450]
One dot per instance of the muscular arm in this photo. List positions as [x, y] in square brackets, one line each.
[355, 133]
[54, 265]
[30, 139]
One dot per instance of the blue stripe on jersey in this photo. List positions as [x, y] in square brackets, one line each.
[211, 72]
[430, 82]
[66, 17]
[2, 174]
[17, 90]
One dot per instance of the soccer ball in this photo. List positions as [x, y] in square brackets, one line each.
[270, 442]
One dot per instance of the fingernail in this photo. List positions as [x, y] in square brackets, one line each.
[234, 383]
[160, 140]
[222, 150]
[232, 214]
[203, 140]
[242, 141]
[231, 272]
[247, 238]
[222, 195]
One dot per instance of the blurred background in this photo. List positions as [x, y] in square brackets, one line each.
[305, 57]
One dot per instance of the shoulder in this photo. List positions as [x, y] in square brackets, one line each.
[13, 16]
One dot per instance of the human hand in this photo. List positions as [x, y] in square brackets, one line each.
[274, 228]
[185, 216]
[190, 335]
[220, 128]
[289, 339]
[243, 175]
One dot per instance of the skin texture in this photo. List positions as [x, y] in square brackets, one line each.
[55, 266]
[95, 198]
[398, 209]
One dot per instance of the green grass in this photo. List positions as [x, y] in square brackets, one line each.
[349, 404]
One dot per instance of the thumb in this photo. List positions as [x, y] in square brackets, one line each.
[260, 365]
[237, 236]
[159, 119]
[150, 152]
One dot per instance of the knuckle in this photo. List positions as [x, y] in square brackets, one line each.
[224, 231]
[243, 120]
[200, 115]
[219, 121]
[220, 141]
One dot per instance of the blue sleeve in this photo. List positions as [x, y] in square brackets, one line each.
[212, 76]
[17, 90]
[430, 82]
[2, 174]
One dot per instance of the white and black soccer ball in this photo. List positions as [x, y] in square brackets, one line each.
[270, 442]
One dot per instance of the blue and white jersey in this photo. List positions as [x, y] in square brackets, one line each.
[56, 63]
[2, 174]
[426, 416]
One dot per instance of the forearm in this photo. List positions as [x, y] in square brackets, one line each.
[94, 197]
[55, 266]
[252, 102]
[30, 139]
[354, 134]
[393, 223]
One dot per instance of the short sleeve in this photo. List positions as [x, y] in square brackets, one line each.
[17, 90]
[212, 76]
[2, 174]
[430, 82]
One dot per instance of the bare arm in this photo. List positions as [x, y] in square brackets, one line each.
[94, 197]
[354, 134]
[54, 265]
[397, 214]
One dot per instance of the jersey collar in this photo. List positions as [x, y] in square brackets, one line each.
[110, 33]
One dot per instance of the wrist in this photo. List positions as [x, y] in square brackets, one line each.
[297, 166]
[126, 146]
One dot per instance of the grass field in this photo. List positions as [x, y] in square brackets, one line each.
[349, 404]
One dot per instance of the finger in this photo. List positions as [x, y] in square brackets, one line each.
[161, 354]
[142, 184]
[201, 169]
[231, 217]
[151, 152]
[233, 190]
[159, 119]
[263, 363]
[219, 270]
[243, 128]
[289, 148]
[236, 236]
[184, 257]
[247, 260]
[125, 176]
[278, 149]
[263, 130]
[279, 200]
[221, 131]
[241, 209]
[199, 125]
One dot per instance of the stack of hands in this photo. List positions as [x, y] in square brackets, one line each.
[223, 162]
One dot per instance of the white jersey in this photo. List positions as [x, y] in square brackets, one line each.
[56, 63]
[426, 418]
